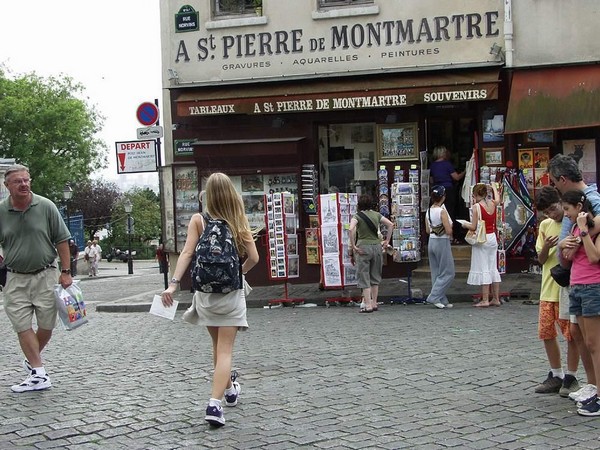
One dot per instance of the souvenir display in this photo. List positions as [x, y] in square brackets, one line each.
[534, 164]
[186, 201]
[335, 212]
[253, 188]
[310, 188]
[383, 191]
[405, 215]
[518, 216]
[281, 218]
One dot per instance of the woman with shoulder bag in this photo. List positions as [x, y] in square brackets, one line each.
[438, 226]
[484, 266]
[366, 249]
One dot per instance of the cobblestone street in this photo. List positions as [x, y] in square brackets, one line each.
[404, 377]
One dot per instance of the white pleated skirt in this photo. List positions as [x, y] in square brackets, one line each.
[484, 266]
[219, 310]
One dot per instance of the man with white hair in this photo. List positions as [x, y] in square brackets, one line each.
[32, 231]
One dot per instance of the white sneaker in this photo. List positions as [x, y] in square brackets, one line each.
[33, 382]
[232, 399]
[587, 391]
[439, 305]
[449, 305]
[27, 366]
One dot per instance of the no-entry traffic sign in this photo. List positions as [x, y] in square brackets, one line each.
[147, 114]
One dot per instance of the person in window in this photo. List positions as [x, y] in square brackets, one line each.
[443, 173]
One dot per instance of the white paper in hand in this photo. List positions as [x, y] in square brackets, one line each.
[159, 310]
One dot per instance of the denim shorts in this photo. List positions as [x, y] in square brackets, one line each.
[584, 300]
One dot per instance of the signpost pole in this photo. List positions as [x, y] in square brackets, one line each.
[159, 164]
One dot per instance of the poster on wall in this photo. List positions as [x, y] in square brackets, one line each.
[584, 152]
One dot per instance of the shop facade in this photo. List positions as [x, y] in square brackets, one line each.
[348, 90]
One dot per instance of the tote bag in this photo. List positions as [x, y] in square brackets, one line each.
[478, 236]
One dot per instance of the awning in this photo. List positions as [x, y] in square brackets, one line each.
[388, 91]
[553, 99]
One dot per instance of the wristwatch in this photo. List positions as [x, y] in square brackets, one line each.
[66, 271]
[174, 281]
[584, 233]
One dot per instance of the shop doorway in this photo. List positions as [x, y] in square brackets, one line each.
[457, 134]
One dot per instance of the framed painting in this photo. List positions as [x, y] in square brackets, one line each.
[397, 142]
[539, 137]
[493, 156]
[493, 129]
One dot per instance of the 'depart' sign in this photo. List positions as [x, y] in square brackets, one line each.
[136, 156]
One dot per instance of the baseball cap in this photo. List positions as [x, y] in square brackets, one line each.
[438, 191]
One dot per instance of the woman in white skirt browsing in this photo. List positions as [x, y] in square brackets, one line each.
[484, 267]
[222, 314]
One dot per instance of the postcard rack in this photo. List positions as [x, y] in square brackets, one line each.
[282, 254]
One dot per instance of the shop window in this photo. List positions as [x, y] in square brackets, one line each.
[335, 3]
[348, 158]
[223, 8]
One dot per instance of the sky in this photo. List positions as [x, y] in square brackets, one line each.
[111, 47]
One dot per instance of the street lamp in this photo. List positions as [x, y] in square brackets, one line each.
[128, 208]
[67, 194]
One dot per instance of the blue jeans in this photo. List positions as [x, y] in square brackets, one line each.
[584, 300]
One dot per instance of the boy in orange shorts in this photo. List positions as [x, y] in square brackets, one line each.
[552, 313]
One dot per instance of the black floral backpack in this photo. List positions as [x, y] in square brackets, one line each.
[217, 267]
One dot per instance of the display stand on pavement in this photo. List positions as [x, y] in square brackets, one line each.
[282, 255]
[335, 213]
[406, 234]
[409, 298]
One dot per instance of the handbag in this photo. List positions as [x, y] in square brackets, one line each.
[561, 275]
[438, 230]
[477, 236]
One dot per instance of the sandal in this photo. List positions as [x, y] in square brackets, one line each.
[482, 304]
[363, 310]
[495, 303]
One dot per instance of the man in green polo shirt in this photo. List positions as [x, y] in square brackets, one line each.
[31, 233]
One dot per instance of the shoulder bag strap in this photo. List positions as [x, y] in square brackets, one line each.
[368, 221]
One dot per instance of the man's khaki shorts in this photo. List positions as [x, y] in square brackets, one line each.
[26, 294]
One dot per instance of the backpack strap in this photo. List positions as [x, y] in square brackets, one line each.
[368, 221]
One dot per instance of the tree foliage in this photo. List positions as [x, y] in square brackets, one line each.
[145, 213]
[96, 200]
[45, 125]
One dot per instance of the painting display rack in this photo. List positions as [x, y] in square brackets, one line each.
[286, 298]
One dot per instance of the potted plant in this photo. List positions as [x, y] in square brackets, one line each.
[258, 7]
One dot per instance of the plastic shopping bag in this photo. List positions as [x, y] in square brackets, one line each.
[70, 305]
